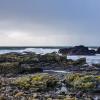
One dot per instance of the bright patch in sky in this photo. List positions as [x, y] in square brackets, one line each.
[15, 35]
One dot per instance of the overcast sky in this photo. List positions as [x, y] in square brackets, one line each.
[49, 22]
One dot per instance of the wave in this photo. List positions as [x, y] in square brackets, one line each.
[36, 50]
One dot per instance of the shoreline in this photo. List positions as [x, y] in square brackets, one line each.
[46, 76]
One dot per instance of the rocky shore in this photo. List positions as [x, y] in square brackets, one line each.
[29, 62]
[44, 86]
[23, 77]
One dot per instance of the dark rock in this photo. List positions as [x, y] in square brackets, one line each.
[77, 50]
[98, 51]
[65, 50]
[25, 68]
[79, 62]
[49, 57]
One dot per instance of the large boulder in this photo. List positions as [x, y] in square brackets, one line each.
[77, 50]
[98, 51]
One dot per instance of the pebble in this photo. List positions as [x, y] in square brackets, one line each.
[19, 94]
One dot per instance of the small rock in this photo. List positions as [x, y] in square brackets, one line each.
[49, 99]
[2, 98]
[19, 94]
[63, 89]
[35, 95]
[47, 95]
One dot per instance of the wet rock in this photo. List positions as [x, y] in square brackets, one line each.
[77, 50]
[7, 68]
[25, 68]
[79, 62]
[49, 57]
[98, 51]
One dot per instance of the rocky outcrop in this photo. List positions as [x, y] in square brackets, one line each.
[77, 50]
[98, 51]
[14, 63]
[44, 86]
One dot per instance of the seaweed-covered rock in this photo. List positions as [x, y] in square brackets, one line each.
[50, 57]
[38, 82]
[7, 68]
[10, 57]
[79, 81]
[44, 81]
[85, 83]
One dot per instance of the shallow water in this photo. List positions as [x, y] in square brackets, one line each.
[89, 59]
[57, 71]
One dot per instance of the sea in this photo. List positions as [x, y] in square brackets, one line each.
[94, 59]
